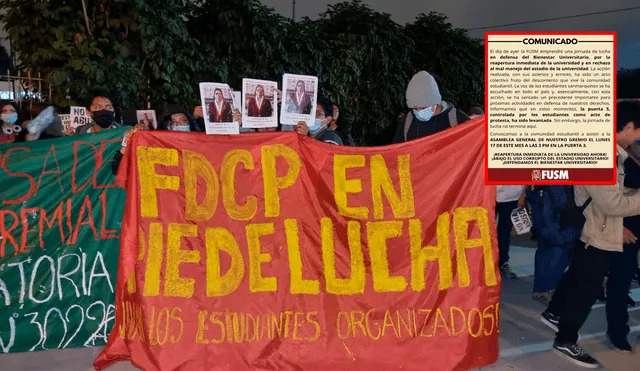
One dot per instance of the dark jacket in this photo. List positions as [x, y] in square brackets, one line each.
[329, 136]
[420, 129]
[88, 128]
[632, 180]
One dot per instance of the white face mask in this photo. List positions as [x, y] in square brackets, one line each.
[424, 115]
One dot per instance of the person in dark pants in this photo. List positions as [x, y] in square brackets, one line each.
[623, 268]
[508, 198]
[600, 245]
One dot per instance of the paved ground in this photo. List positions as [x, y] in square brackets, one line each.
[524, 341]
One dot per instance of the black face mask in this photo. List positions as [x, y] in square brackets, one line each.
[104, 118]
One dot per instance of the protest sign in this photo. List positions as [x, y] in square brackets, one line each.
[218, 106]
[67, 128]
[521, 221]
[79, 117]
[300, 94]
[237, 97]
[343, 257]
[147, 117]
[60, 226]
[259, 106]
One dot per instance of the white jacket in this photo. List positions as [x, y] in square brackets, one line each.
[603, 228]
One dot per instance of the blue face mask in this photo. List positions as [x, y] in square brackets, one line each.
[424, 115]
[316, 127]
[9, 118]
[180, 128]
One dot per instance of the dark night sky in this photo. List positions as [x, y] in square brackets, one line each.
[484, 13]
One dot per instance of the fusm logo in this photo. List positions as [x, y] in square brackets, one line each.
[555, 174]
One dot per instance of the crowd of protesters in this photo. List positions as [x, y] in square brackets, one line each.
[584, 233]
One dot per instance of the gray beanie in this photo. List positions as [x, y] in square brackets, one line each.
[423, 91]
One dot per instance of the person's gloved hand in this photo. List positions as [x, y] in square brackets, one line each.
[42, 121]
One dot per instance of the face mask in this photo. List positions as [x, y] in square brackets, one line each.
[104, 118]
[9, 118]
[180, 128]
[424, 115]
[316, 127]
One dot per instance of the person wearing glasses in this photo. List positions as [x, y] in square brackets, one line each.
[103, 113]
[321, 130]
[175, 118]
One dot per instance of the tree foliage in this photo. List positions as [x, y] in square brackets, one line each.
[156, 51]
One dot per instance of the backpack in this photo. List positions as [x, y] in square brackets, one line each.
[557, 220]
[453, 120]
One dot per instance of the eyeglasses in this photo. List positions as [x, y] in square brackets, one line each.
[320, 115]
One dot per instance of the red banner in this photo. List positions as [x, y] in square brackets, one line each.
[274, 251]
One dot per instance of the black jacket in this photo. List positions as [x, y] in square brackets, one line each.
[436, 124]
[632, 180]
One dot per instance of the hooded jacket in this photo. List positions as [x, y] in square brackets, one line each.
[603, 228]
[419, 129]
[172, 109]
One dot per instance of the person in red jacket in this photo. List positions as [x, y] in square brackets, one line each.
[219, 110]
[259, 105]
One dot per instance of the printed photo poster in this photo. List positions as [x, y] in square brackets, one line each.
[67, 129]
[79, 117]
[237, 98]
[217, 108]
[299, 99]
[259, 106]
[521, 221]
[147, 117]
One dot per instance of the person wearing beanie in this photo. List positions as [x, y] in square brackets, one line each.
[429, 113]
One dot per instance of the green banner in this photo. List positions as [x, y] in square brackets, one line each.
[60, 218]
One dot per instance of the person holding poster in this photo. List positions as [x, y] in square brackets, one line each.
[601, 243]
[320, 129]
[217, 100]
[259, 99]
[429, 113]
[174, 118]
[102, 112]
